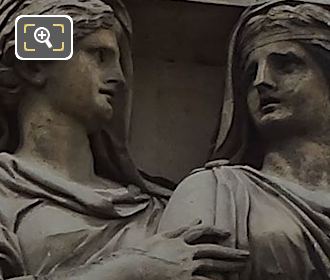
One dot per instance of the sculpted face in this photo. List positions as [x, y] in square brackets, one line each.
[286, 89]
[85, 86]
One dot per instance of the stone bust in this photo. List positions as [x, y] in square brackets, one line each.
[72, 203]
[273, 192]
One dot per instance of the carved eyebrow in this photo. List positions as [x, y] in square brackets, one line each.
[94, 46]
[101, 46]
[285, 53]
[99, 42]
[290, 54]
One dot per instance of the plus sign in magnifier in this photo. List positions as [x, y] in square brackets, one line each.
[42, 36]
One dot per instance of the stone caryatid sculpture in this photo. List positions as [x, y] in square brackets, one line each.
[72, 203]
[273, 193]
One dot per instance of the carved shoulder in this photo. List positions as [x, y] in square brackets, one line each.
[193, 199]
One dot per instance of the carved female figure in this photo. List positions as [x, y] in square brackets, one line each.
[72, 204]
[273, 195]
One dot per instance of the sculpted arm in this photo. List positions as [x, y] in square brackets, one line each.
[193, 199]
[172, 255]
[121, 268]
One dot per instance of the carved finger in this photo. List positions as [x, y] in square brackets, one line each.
[211, 251]
[180, 231]
[205, 266]
[214, 276]
[129, 198]
[176, 233]
[216, 163]
[201, 278]
[204, 234]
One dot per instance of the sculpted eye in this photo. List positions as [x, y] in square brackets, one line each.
[99, 54]
[286, 63]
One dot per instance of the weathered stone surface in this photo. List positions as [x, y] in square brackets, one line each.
[72, 203]
[272, 194]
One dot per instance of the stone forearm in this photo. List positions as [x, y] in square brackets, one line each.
[123, 268]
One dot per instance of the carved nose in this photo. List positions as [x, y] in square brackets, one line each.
[264, 87]
[264, 80]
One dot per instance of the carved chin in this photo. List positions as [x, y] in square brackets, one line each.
[279, 114]
[107, 113]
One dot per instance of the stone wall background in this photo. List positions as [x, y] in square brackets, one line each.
[180, 55]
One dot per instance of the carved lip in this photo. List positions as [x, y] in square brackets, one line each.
[268, 104]
[107, 91]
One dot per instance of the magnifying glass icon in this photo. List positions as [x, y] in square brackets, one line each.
[42, 35]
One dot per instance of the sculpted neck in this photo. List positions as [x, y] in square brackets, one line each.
[54, 140]
[305, 160]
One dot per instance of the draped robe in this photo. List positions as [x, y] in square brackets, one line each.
[50, 224]
[285, 226]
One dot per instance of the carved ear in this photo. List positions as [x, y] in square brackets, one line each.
[32, 72]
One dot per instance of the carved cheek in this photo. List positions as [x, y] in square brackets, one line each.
[253, 101]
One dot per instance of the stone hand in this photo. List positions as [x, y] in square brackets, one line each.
[190, 253]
